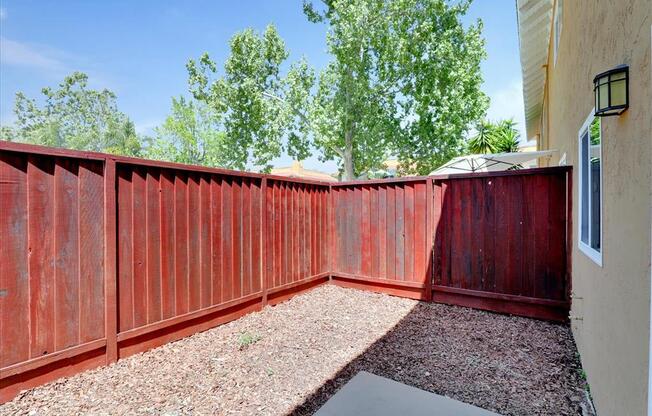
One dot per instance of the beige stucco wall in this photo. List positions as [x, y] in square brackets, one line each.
[613, 301]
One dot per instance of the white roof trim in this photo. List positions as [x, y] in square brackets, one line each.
[534, 25]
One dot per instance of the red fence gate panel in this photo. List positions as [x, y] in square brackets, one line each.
[501, 242]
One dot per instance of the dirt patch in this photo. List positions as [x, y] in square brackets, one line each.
[292, 357]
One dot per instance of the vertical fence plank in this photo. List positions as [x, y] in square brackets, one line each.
[555, 287]
[181, 242]
[266, 237]
[92, 253]
[246, 237]
[40, 172]
[569, 233]
[433, 208]
[391, 233]
[237, 239]
[277, 221]
[194, 244]
[408, 225]
[167, 245]
[111, 261]
[418, 245]
[374, 232]
[365, 231]
[436, 229]
[257, 229]
[501, 244]
[153, 246]
[125, 248]
[14, 274]
[529, 237]
[139, 245]
[476, 234]
[382, 232]
[489, 236]
[216, 230]
[205, 242]
[540, 226]
[66, 249]
[227, 240]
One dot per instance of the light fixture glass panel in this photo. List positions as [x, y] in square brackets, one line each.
[618, 93]
[604, 96]
[618, 75]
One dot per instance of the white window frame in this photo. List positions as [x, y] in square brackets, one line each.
[589, 251]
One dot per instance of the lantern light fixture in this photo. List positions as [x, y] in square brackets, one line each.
[611, 90]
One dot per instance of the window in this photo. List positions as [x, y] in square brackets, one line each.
[557, 28]
[590, 189]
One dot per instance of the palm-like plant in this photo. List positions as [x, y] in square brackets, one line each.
[483, 141]
[506, 136]
[499, 137]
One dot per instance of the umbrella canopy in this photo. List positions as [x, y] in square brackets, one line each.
[491, 162]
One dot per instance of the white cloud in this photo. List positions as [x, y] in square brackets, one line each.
[21, 54]
[3, 13]
[506, 103]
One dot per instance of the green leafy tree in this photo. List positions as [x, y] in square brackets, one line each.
[256, 105]
[405, 80]
[8, 133]
[75, 117]
[190, 134]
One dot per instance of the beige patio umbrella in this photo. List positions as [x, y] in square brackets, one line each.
[492, 162]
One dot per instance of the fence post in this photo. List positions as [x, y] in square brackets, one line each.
[569, 232]
[110, 262]
[430, 246]
[330, 233]
[263, 239]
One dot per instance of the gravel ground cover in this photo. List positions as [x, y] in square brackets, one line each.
[289, 359]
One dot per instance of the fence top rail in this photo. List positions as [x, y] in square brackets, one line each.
[380, 181]
[126, 160]
[59, 152]
[519, 172]
[50, 151]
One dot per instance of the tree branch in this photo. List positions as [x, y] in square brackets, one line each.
[274, 97]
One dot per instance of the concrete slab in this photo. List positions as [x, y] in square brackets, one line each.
[367, 394]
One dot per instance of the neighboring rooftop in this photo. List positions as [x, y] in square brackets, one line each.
[296, 170]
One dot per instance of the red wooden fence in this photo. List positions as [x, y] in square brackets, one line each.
[492, 241]
[502, 242]
[106, 256]
[381, 236]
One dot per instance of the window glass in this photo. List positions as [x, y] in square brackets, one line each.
[590, 192]
[595, 180]
[584, 187]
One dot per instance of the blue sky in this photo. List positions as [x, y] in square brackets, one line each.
[139, 49]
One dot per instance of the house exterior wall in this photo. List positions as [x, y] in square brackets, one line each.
[612, 302]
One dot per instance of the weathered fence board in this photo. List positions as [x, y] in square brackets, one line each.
[105, 256]
[296, 236]
[501, 243]
[380, 234]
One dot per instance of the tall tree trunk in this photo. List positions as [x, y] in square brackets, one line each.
[349, 173]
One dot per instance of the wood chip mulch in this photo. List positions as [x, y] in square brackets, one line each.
[289, 359]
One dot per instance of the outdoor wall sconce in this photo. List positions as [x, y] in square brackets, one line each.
[611, 89]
